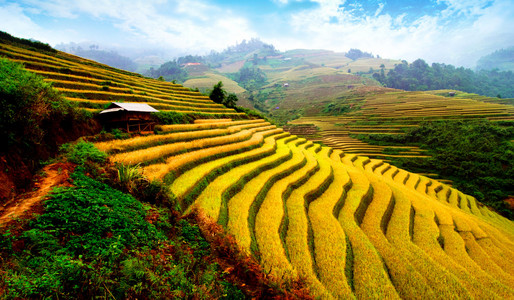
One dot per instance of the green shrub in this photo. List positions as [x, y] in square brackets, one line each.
[26, 101]
[171, 117]
[82, 152]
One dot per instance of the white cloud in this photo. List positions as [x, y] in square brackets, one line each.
[459, 34]
[16, 22]
[194, 25]
[470, 26]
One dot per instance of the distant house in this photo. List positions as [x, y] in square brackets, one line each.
[451, 94]
[286, 84]
[192, 64]
[128, 116]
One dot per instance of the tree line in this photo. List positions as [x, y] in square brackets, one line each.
[419, 76]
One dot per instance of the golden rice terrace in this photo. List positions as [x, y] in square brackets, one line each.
[392, 112]
[349, 226]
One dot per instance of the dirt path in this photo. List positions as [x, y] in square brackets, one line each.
[26, 204]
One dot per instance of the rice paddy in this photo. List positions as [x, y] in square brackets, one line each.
[348, 225]
[393, 113]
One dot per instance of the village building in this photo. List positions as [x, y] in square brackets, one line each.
[128, 116]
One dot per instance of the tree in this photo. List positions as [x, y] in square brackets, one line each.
[218, 94]
[231, 100]
[170, 71]
[354, 54]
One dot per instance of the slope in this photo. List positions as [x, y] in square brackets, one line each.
[307, 211]
[93, 86]
[382, 111]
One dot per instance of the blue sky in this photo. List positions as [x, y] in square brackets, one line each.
[450, 31]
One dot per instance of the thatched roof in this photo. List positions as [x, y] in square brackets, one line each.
[132, 107]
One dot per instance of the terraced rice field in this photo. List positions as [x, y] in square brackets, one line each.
[94, 86]
[348, 225]
[394, 112]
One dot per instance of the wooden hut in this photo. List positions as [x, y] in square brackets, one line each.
[128, 116]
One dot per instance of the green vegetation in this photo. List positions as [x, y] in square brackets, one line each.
[251, 78]
[27, 102]
[478, 156]
[419, 76]
[4, 36]
[219, 95]
[170, 71]
[390, 234]
[355, 54]
[82, 152]
[94, 241]
[502, 60]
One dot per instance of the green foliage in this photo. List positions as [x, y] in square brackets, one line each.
[251, 78]
[478, 156]
[27, 43]
[82, 152]
[355, 54]
[27, 101]
[190, 59]
[218, 94]
[230, 101]
[94, 241]
[335, 109]
[129, 176]
[84, 227]
[419, 76]
[252, 113]
[502, 59]
[170, 71]
[171, 117]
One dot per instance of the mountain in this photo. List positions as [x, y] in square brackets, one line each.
[216, 203]
[111, 58]
[503, 60]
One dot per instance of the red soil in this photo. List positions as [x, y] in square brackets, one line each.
[24, 206]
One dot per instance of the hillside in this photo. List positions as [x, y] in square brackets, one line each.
[313, 212]
[293, 81]
[503, 60]
[380, 110]
[347, 226]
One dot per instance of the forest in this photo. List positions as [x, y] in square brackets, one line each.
[419, 76]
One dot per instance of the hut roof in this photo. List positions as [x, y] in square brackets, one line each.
[133, 107]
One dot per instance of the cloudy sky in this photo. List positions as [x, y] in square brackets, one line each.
[450, 31]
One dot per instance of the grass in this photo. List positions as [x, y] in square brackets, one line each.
[369, 279]
[163, 151]
[142, 142]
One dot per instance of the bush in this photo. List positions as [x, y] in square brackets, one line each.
[26, 101]
[83, 152]
[171, 117]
